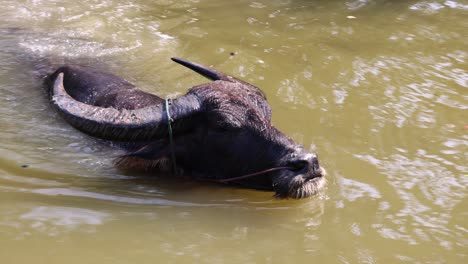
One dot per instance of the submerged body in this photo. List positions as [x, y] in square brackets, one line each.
[221, 130]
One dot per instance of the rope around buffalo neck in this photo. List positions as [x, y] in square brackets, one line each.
[171, 140]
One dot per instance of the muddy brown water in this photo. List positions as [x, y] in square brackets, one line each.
[377, 88]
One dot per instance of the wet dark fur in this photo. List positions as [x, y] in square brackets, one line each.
[103, 89]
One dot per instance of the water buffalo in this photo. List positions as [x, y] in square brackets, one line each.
[219, 131]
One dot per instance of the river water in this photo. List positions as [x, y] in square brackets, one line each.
[377, 88]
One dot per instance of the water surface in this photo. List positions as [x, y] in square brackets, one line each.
[377, 88]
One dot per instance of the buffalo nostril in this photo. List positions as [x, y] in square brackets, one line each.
[315, 163]
[299, 165]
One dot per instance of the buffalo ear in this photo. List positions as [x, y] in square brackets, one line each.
[152, 156]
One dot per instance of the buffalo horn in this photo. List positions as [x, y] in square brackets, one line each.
[214, 75]
[125, 125]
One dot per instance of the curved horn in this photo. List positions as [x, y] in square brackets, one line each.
[110, 123]
[213, 74]
[207, 72]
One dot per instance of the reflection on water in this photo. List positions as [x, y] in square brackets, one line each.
[119, 199]
[427, 191]
[63, 216]
[433, 7]
[377, 88]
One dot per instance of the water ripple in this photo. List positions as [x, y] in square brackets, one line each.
[431, 7]
[420, 183]
[65, 216]
[115, 198]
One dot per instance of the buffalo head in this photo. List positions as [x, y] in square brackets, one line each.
[221, 130]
